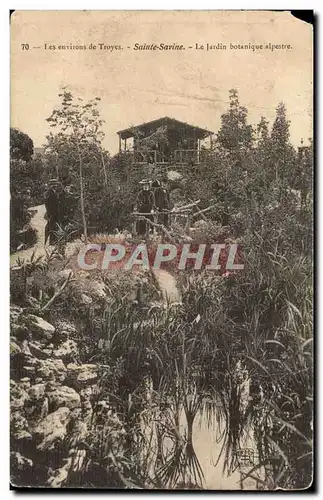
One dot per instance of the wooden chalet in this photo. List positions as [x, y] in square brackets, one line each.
[165, 141]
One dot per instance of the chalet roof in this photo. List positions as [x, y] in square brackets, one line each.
[200, 133]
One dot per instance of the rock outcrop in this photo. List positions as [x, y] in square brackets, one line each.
[40, 328]
[52, 398]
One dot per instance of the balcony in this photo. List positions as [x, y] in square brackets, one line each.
[189, 156]
[179, 157]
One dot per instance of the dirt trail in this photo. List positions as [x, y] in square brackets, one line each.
[168, 286]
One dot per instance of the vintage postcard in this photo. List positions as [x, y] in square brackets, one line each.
[161, 250]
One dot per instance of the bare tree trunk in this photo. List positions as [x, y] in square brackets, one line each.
[82, 193]
[104, 170]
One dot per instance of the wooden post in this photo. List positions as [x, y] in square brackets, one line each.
[125, 144]
[119, 143]
[198, 150]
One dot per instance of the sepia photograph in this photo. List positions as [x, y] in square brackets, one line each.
[161, 250]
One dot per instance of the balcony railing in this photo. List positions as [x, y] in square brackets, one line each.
[178, 156]
[151, 156]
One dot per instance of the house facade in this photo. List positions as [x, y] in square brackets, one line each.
[165, 141]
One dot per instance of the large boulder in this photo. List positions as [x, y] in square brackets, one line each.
[18, 397]
[30, 366]
[23, 363]
[38, 351]
[67, 351]
[52, 429]
[63, 396]
[41, 329]
[18, 422]
[81, 376]
[49, 369]
[36, 408]
[25, 383]
[37, 392]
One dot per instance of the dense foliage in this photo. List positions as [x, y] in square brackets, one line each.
[21, 145]
[26, 176]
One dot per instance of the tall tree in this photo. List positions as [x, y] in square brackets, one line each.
[263, 171]
[235, 135]
[21, 145]
[77, 141]
[262, 131]
[280, 131]
[283, 154]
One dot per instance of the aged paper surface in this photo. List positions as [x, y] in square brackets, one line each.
[161, 250]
